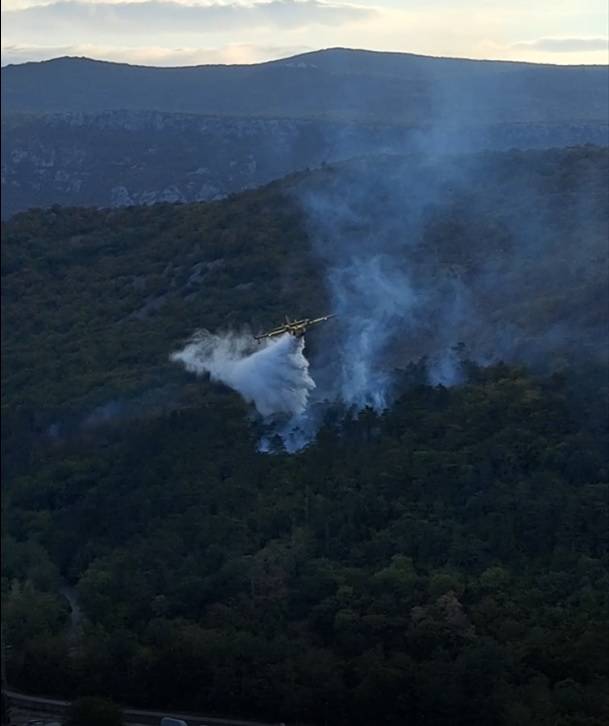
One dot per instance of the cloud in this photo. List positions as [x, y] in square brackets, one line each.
[152, 55]
[191, 32]
[564, 45]
[168, 16]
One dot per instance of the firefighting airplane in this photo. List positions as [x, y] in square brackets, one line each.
[297, 328]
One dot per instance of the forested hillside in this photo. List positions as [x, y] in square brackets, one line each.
[439, 561]
[95, 300]
[444, 563]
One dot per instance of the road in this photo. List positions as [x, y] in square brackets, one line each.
[133, 717]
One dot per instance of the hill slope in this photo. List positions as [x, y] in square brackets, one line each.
[505, 252]
[121, 158]
[82, 132]
[441, 561]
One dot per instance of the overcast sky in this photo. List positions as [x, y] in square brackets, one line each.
[186, 32]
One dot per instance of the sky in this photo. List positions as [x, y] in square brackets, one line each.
[189, 32]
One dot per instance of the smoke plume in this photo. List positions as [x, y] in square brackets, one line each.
[430, 259]
[383, 294]
[275, 378]
[434, 256]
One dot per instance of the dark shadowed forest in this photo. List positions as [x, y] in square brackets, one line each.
[440, 562]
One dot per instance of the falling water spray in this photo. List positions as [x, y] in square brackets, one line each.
[274, 378]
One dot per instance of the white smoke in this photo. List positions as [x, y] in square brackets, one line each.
[370, 294]
[275, 378]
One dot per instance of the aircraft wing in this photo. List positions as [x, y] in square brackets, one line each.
[321, 320]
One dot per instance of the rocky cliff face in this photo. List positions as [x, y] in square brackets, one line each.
[120, 158]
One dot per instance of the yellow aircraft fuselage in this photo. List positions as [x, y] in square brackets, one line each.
[297, 328]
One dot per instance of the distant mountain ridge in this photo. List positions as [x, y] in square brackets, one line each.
[82, 132]
[335, 83]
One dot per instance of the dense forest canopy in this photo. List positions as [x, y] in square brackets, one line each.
[439, 561]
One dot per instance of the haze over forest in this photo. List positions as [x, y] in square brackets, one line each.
[401, 517]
